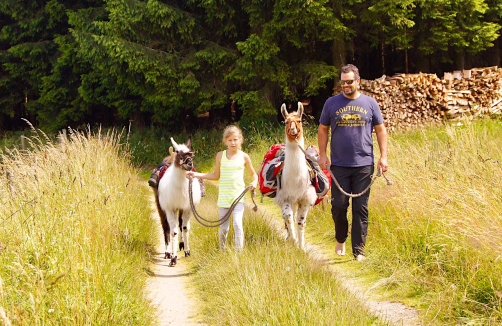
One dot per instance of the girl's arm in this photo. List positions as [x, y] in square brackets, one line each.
[251, 170]
[209, 176]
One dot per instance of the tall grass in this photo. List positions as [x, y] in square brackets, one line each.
[74, 234]
[435, 236]
[270, 282]
[71, 218]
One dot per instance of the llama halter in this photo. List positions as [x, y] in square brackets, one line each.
[185, 160]
[293, 125]
[183, 157]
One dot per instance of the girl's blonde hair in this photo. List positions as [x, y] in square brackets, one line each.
[233, 130]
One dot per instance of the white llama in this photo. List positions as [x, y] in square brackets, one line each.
[173, 198]
[295, 193]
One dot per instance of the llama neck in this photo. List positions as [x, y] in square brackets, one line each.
[179, 174]
[295, 158]
[294, 148]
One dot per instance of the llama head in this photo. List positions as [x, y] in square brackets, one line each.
[293, 120]
[184, 155]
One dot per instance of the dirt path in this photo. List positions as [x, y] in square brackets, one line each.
[176, 305]
[395, 313]
[168, 288]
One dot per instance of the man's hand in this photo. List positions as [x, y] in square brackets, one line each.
[381, 134]
[382, 164]
[324, 162]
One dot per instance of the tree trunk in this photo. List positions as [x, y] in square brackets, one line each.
[495, 60]
[460, 59]
[421, 62]
[383, 57]
[339, 51]
[406, 70]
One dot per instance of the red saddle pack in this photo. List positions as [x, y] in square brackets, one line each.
[269, 177]
[270, 170]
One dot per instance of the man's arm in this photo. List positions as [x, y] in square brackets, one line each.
[381, 134]
[322, 144]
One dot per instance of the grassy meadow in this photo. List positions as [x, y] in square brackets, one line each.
[435, 235]
[270, 282]
[75, 235]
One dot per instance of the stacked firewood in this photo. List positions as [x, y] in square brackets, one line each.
[409, 100]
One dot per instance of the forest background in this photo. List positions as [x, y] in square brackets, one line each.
[188, 64]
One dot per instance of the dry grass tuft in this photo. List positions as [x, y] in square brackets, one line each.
[74, 233]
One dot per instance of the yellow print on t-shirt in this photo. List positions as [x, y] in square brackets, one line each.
[351, 108]
[351, 119]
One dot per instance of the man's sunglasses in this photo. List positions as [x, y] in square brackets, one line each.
[348, 81]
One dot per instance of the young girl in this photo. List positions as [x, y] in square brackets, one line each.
[229, 170]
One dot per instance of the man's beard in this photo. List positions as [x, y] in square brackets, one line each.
[350, 91]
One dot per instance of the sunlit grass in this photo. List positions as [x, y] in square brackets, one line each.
[270, 282]
[74, 234]
[73, 215]
[435, 236]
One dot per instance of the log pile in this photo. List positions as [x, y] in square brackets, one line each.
[410, 100]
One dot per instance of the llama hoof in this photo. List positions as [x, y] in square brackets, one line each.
[182, 246]
[187, 253]
[173, 261]
[167, 255]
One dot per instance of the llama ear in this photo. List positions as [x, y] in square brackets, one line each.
[284, 111]
[300, 109]
[189, 142]
[174, 144]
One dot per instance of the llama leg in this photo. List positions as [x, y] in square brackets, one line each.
[181, 244]
[165, 228]
[165, 225]
[303, 209]
[288, 216]
[174, 226]
[186, 230]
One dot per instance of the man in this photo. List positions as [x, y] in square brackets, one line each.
[352, 117]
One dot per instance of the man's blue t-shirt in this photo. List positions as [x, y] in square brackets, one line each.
[352, 122]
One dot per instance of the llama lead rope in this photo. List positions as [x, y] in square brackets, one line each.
[219, 222]
[379, 173]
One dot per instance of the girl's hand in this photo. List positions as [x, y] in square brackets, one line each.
[190, 174]
[253, 185]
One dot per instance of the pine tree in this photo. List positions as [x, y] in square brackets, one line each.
[29, 55]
